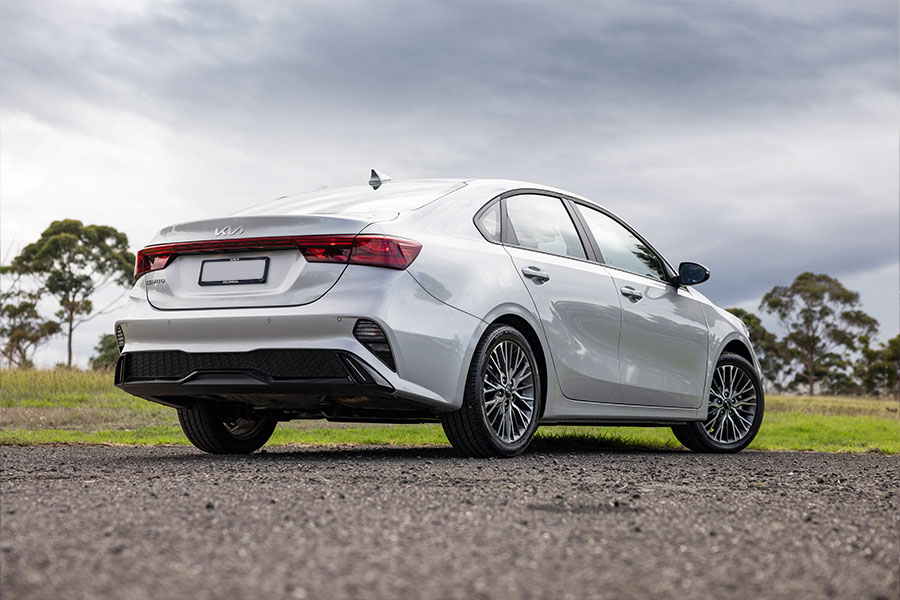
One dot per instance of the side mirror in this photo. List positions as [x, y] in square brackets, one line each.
[690, 273]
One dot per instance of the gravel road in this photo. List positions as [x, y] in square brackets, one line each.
[162, 522]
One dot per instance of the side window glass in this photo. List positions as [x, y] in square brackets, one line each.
[621, 248]
[489, 222]
[542, 223]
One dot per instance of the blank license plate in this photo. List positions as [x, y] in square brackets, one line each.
[234, 271]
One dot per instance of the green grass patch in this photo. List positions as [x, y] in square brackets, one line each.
[785, 431]
[779, 431]
[156, 435]
[46, 407]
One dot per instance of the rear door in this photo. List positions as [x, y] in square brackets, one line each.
[664, 343]
[576, 299]
[249, 261]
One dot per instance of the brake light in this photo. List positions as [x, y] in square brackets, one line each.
[381, 251]
[372, 250]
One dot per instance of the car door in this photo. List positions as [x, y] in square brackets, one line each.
[576, 299]
[664, 342]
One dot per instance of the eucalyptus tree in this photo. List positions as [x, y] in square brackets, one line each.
[823, 322]
[22, 328]
[878, 368]
[71, 262]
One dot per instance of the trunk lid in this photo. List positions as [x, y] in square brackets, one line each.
[225, 272]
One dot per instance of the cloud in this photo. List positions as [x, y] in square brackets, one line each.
[757, 137]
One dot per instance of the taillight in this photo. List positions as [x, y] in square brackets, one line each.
[152, 259]
[372, 250]
[380, 251]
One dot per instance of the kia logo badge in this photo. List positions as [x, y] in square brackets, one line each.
[229, 230]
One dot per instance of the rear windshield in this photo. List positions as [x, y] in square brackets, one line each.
[399, 197]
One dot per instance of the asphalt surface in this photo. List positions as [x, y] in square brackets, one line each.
[154, 522]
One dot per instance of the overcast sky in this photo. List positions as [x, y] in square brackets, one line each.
[760, 139]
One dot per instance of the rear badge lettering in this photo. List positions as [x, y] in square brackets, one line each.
[229, 230]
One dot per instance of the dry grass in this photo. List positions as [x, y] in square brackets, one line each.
[88, 401]
[884, 408]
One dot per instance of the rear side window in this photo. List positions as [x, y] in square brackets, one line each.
[621, 248]
[542, 223]
[489, 223]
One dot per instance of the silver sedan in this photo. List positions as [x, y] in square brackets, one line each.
[491, 306]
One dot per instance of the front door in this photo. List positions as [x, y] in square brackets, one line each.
[664, 343]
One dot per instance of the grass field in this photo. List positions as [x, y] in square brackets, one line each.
[43, 407]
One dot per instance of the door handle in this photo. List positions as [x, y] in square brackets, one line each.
[630, 292]
[536, 274]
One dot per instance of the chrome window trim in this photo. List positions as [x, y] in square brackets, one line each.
[591, 249]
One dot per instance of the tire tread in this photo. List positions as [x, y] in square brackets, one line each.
[204, 428]
[465, 428]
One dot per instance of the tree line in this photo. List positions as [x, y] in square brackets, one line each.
[827, 346]
[828, 342]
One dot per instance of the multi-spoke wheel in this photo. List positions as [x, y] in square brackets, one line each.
[508, 391]
[735, 409]
[214, 430]
[502, 401]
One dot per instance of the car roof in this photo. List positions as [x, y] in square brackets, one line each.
[389, 199]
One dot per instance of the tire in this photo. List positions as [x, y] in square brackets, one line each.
[212, 430]
[498, 423]
[716, 434]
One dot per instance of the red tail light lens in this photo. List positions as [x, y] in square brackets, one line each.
[152, 259]
[380, 251]
[372, 250]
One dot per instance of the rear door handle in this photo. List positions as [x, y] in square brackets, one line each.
[630, 292]
[536, 274]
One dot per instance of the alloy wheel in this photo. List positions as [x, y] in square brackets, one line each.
[508, 391]
[732, 405]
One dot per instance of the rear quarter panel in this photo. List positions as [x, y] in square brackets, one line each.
[459, 267]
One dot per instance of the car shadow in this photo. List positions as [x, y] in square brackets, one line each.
[541, 447]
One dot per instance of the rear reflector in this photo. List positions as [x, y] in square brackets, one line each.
[120, 338]
[372, 337]
[372, 250]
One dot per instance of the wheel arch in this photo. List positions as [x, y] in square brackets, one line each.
[736, 346]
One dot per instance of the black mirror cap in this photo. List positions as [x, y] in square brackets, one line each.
[691, 273]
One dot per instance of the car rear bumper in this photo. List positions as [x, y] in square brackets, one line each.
[174, 373]
[432, 344]
[287, 380]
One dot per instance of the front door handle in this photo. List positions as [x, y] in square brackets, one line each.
[630, 292]
[536, 274]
